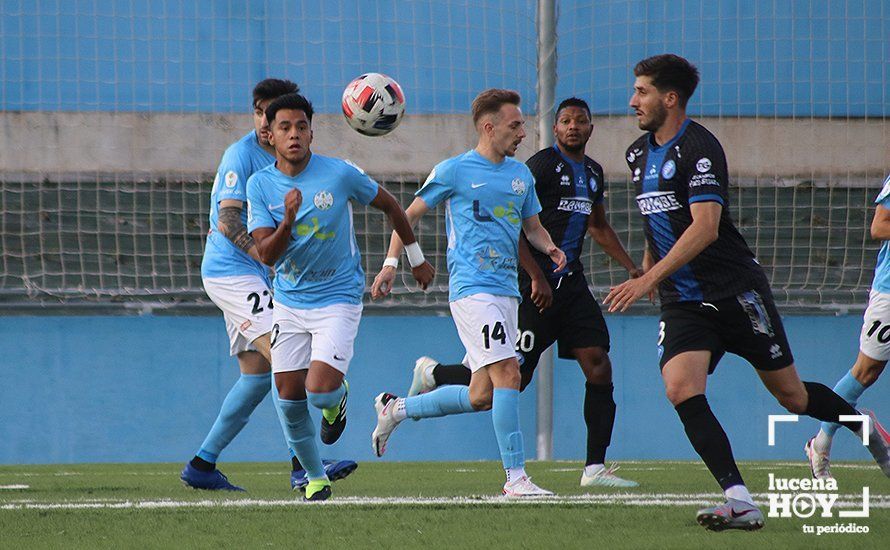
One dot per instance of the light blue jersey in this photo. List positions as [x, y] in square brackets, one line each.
[221, 257]
[322, 264]
[485, 204]
[882, 270]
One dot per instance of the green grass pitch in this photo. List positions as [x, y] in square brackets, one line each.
[427, 505]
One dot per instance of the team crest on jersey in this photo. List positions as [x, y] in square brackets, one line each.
[703, 164]
[518, 186]
[231, 179]
[323, 200]
[669, 169]
[593, 185]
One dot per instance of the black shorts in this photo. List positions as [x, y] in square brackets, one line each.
[574, 321]
[747, 325]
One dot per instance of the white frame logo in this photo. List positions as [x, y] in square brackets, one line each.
[806, 498]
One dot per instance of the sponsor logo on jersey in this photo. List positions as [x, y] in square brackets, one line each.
[632, 156]
[703, 164]
[657, 201]
[669, 169]
[636, 174]
[323, 200]
[565, 180]
[518, 186]
[231, 179]
[559, 168]
[575, 204]
[490, 260]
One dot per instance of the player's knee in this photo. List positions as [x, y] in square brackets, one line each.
[867, 374]
[481, 401]
[597, 367]
[678, 393]
[794, 402]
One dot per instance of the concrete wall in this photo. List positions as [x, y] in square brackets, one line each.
[59, 146]
[140, 389]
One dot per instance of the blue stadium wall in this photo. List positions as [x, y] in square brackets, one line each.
[807, 58]
[145, 389]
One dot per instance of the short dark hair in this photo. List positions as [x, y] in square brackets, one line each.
[271, 88]
[670, 72]
[573, 102]
[289, 101]
[491, 100]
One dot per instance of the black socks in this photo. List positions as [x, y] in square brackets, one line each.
[709, 440]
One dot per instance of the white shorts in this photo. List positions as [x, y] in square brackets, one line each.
[874, 340]
[487, 326]
[325, 334]
[246, 303]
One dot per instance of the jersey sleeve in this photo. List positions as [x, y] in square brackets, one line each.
[258, 214]
[439, 185]
[884, 196]
[707, 177]
[362, 187]
[231, 177]
[531, 206]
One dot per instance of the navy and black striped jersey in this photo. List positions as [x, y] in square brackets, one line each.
[668, 178]
[568, 191]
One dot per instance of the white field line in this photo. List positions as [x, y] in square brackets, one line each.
[630, 466]
[627, 499]
[13, 487]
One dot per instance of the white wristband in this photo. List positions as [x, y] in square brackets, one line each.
[415, 256]
[391, 262]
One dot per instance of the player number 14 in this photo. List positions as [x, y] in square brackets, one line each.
[490, 333]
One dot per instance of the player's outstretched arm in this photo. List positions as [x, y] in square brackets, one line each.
[880, 224]
[383, 281]
[233, 228]
[271, 243]
[601, 231]
[539, 238]
[701, 232]
[421, 269]
[542, 294]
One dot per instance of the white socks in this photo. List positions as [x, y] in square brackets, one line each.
[398, 410]
[739, 492]
[515, 473]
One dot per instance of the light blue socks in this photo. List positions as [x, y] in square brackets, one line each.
[300, 434]
[242, 399]
[442, 401]
[850, 389]
[505, 417]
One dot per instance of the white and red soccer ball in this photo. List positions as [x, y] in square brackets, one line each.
[373, 104]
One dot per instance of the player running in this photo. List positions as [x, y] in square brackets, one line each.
[874, 343]
[300, 215]
[558, 306]
[238, 283]
[488, 197]
[714, 295]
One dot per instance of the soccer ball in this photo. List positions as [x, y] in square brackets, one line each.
[373, 104]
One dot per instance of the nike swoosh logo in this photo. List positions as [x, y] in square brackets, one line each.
[738, 515]
[276, 207]
[338, 358]
[477, 185]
